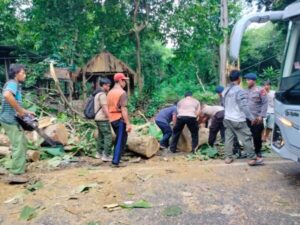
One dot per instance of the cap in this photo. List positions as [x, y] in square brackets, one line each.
[250, 76]
[219, 89]
[234, 75]
[120, 76]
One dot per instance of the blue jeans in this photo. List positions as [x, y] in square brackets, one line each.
[167, 133]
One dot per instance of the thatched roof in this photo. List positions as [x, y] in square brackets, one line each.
[106, 64]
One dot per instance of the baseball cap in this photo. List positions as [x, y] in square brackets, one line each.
[234, 75]
[250, 76]
[120, 76]
[219, 89]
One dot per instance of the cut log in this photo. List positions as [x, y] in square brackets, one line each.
[33, 156]
[45, 122]
[185, 140]
[146, 146]
[4, 141]
[4, 150]
[58, 133]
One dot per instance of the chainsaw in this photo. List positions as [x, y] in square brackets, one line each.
[30, 123]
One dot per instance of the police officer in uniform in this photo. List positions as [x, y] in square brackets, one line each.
[258, 105]
[236, 112]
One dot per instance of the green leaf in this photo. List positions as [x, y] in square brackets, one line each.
[35, 186]
[172, 211]
[154, 132]
[137, 204]
[55, 151]
[28, 213]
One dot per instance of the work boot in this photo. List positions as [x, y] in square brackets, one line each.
[228, 160]
[17, 179]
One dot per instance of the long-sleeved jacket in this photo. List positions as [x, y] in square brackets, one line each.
[258, 101]
[236, 104]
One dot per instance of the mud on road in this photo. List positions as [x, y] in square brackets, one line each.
[208, 192]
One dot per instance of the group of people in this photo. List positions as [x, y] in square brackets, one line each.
[238, 117]
[110, 106]
[241, 116]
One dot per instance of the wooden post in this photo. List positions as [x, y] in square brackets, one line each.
[84, 90]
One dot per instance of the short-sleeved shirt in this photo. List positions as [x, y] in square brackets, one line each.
[116, 99]
[211, 110]
[188, 107]
[165, 115]
[8, 113]
[100, 101]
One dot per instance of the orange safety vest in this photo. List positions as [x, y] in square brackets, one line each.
[114, 108]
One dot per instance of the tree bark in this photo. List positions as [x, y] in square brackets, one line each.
[137, 28]
[224, 45]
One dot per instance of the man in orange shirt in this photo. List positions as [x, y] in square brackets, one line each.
[118, 115]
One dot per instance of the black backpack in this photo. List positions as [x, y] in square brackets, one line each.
[89, 110]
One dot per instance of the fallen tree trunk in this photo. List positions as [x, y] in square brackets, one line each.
[146, 146]
[185, 140]
[33, 156]
[57, 133]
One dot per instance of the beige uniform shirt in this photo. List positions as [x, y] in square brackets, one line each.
[188, 107]
[100, 100]
[211, 110]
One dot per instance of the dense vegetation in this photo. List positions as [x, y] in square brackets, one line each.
[177, 41]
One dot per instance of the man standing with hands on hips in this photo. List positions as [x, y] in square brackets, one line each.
[118, 115]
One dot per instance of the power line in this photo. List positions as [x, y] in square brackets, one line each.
[259, 63]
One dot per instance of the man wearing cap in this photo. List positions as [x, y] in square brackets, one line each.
[236, 112]
[102, 121]
[269, 121]
[219, 89]
[188, 110]
[118, 115]
[236, 145]
[258, 105]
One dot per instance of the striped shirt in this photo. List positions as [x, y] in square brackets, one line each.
[8, 113]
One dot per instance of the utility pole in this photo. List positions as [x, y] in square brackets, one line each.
[224, 45]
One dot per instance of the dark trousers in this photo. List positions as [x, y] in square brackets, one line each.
[193, 126]
[119, 128]
[167, 133]
[256, 131]
[215, 127]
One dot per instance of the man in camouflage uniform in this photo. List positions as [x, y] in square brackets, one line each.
[236, 112]
[258, 105]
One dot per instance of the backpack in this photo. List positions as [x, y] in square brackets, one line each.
[89, 110]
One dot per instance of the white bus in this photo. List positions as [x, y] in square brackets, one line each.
[286, 132]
